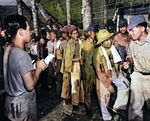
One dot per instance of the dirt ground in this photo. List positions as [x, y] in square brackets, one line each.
[52, 108]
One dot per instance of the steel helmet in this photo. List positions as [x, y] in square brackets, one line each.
[102, 35]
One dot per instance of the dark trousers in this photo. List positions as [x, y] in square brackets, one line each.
[51, 75]
[59, 81]
[58, 78]
[87, 96]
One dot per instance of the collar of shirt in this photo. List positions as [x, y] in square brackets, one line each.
[90, 40]
[146, 40]
[72, 40]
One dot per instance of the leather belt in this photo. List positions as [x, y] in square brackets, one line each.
[144, 73]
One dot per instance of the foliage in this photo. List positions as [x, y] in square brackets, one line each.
[57, 8]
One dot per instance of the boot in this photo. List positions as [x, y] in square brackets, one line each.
[67, 101]
[75, 108]
[89, 113]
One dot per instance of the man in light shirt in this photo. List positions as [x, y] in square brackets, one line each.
[139, 55]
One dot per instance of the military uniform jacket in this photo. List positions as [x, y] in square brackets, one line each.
[100, 65]
[68, 54]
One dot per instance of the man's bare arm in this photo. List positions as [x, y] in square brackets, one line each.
[31, 79]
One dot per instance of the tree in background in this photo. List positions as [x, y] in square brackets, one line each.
[34, 14]
[58, 9]
[68, 12]
[86, 13]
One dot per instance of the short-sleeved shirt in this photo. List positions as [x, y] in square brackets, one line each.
[52, 46]
[140, 53]
[19, 63]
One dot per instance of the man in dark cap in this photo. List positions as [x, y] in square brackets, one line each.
[110, 26]
[122, 39]
[139, 55]
[86, 55]
[102, 26]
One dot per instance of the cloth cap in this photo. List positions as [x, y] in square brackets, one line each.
[71, 28]
[136, 20]
[93, 28]
[64, 29]
[123, 22]
[102, 35]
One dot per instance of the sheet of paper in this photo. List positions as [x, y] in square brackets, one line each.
[49, 58]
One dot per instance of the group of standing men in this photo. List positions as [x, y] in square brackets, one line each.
[82, 63]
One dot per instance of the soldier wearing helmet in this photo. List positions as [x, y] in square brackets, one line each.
[105, 57]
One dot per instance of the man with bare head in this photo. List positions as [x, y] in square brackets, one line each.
[19, 80]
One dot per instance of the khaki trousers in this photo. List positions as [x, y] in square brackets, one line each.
[66, 86]
[73, 78]
[140, 92]
[103, 98]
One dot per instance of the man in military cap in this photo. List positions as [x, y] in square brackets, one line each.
[86, 58]
[71, 69]
[66, 38]
[139, 55]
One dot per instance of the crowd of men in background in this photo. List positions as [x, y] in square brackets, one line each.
[100, 56]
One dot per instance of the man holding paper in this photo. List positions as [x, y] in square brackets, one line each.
[19, 80]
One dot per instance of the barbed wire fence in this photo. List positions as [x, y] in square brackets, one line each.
[106, 9]
[103, 10]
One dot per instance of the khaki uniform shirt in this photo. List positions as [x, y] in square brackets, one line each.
[68, 54]
[140, 53]
[86, 54]
[62, 46]
[100, 65]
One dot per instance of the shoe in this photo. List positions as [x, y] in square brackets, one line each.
[67, 101]
[75, 109]
[121, 112]
[89, 113]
